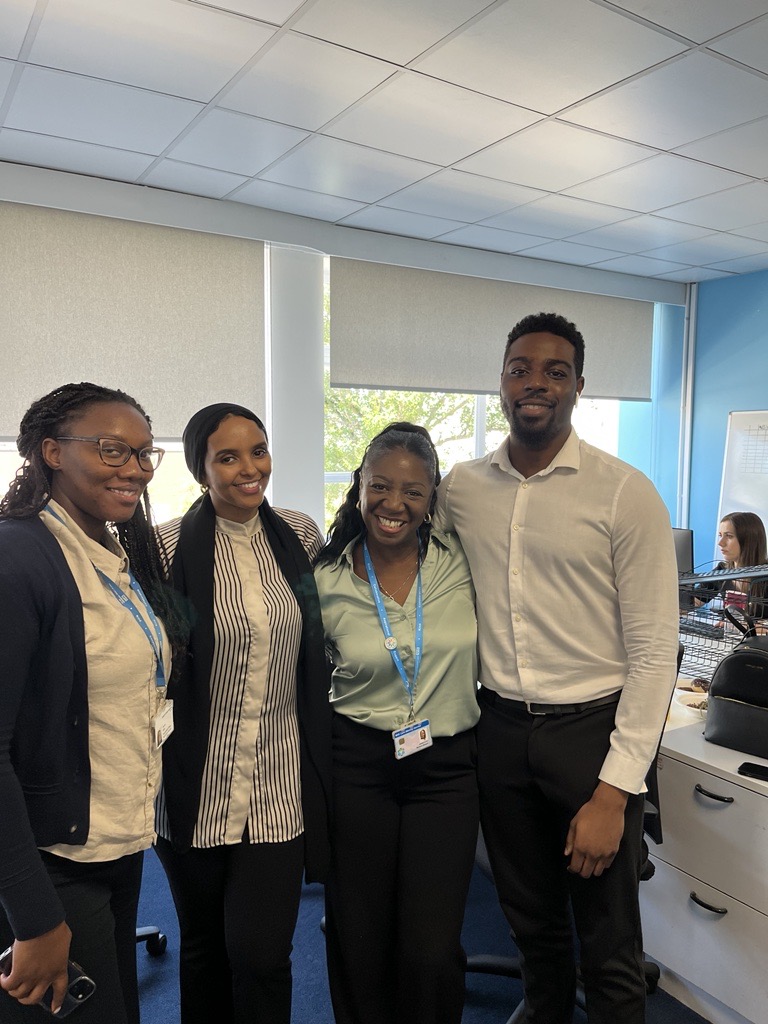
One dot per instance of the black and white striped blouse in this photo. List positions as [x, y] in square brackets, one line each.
[251, 781]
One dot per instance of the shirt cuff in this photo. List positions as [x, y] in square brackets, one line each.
[624, 772]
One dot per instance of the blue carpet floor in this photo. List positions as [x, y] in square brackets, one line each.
[490, 1000]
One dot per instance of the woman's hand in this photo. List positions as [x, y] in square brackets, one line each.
[38, 964]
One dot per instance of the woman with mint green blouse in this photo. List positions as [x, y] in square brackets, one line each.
[399, 620]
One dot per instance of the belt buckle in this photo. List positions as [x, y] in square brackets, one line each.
[529, 705]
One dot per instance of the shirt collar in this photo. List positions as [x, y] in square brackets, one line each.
[102, 553]
[569, 457]
[248, 529]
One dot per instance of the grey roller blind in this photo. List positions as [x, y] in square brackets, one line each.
[396, 327]
[175, 318]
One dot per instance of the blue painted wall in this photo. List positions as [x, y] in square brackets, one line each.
[649, 431]
[731, 373]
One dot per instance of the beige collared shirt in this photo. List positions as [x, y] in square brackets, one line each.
[576, 584]
[123, 698]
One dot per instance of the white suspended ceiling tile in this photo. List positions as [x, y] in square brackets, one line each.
[709, 249]
[274, 11]
[235, 142]
[570, 252]
[342, 169]
[397, 222]
[553, 155]
[477, 237]
[6, 71]
[725, 211]
[744, 265]
[178, 49]
[69, 106]
[699, 20]
[743, 149]
[658, 182]
[642, 266]
[460, 196]
[534, 52]
[67, 155]
[305, 82]
[396, 30]
[683, 101]
[557, 216]
[15, 16]
[639, 234]
[199, 181]
[294, 200]
[748, 46]
[757, 231]
[420, 117]
[694, 274]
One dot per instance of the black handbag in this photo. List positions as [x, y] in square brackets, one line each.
[737, 703]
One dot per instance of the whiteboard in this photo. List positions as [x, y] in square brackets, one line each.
[744, 486]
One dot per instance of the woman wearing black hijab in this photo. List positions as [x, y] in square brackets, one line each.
[244, 807]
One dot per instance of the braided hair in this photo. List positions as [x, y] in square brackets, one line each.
[30, 491]
[348, 522]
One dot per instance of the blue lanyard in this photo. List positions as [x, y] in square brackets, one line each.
[156, 641]
[389, 640]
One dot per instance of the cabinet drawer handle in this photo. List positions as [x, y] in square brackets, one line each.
[708, 906]
[713, 796]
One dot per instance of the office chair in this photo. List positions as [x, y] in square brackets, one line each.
[155, 940]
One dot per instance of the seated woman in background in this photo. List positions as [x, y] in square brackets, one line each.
[399, 618]
[246, 775]
[84, 659]
[742, 542]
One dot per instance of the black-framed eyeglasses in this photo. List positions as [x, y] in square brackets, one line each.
[116, 453]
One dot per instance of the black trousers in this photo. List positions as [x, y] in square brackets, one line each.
[100, 901]
[404, 839]
[237, 908]
[535, 772]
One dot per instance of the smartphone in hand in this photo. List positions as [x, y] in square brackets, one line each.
[79, 986]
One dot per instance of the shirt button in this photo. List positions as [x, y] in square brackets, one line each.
[518, 618]
[523, 664]
[515, 572]
[515, 527]
[525, 486]
[72, 828]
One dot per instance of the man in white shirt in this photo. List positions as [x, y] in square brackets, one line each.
[573, 562]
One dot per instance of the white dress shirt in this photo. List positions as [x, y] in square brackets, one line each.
[576, 582]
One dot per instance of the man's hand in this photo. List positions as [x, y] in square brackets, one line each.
[595, 831]
[37, 964]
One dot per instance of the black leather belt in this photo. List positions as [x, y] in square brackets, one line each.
[491, 697]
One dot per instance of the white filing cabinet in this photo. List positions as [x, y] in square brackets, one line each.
[705, 911]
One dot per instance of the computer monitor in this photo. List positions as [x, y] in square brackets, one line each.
[683, 549]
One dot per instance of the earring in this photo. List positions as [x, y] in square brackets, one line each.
[428, 518]
[203, 488]
[357, 506]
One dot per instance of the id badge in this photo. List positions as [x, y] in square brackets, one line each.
[162, 723]
[412, 738]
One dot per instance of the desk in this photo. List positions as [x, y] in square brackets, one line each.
[715, 846]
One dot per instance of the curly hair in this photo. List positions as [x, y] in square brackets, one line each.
[550, 323]
[30, 491]
[348, 522]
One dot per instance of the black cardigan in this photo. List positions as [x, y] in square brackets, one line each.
[185, 751]
[45, 769]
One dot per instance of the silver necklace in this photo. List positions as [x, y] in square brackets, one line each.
[394, 593]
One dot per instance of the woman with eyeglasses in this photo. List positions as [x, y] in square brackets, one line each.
[244, 806]
[86, 630]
